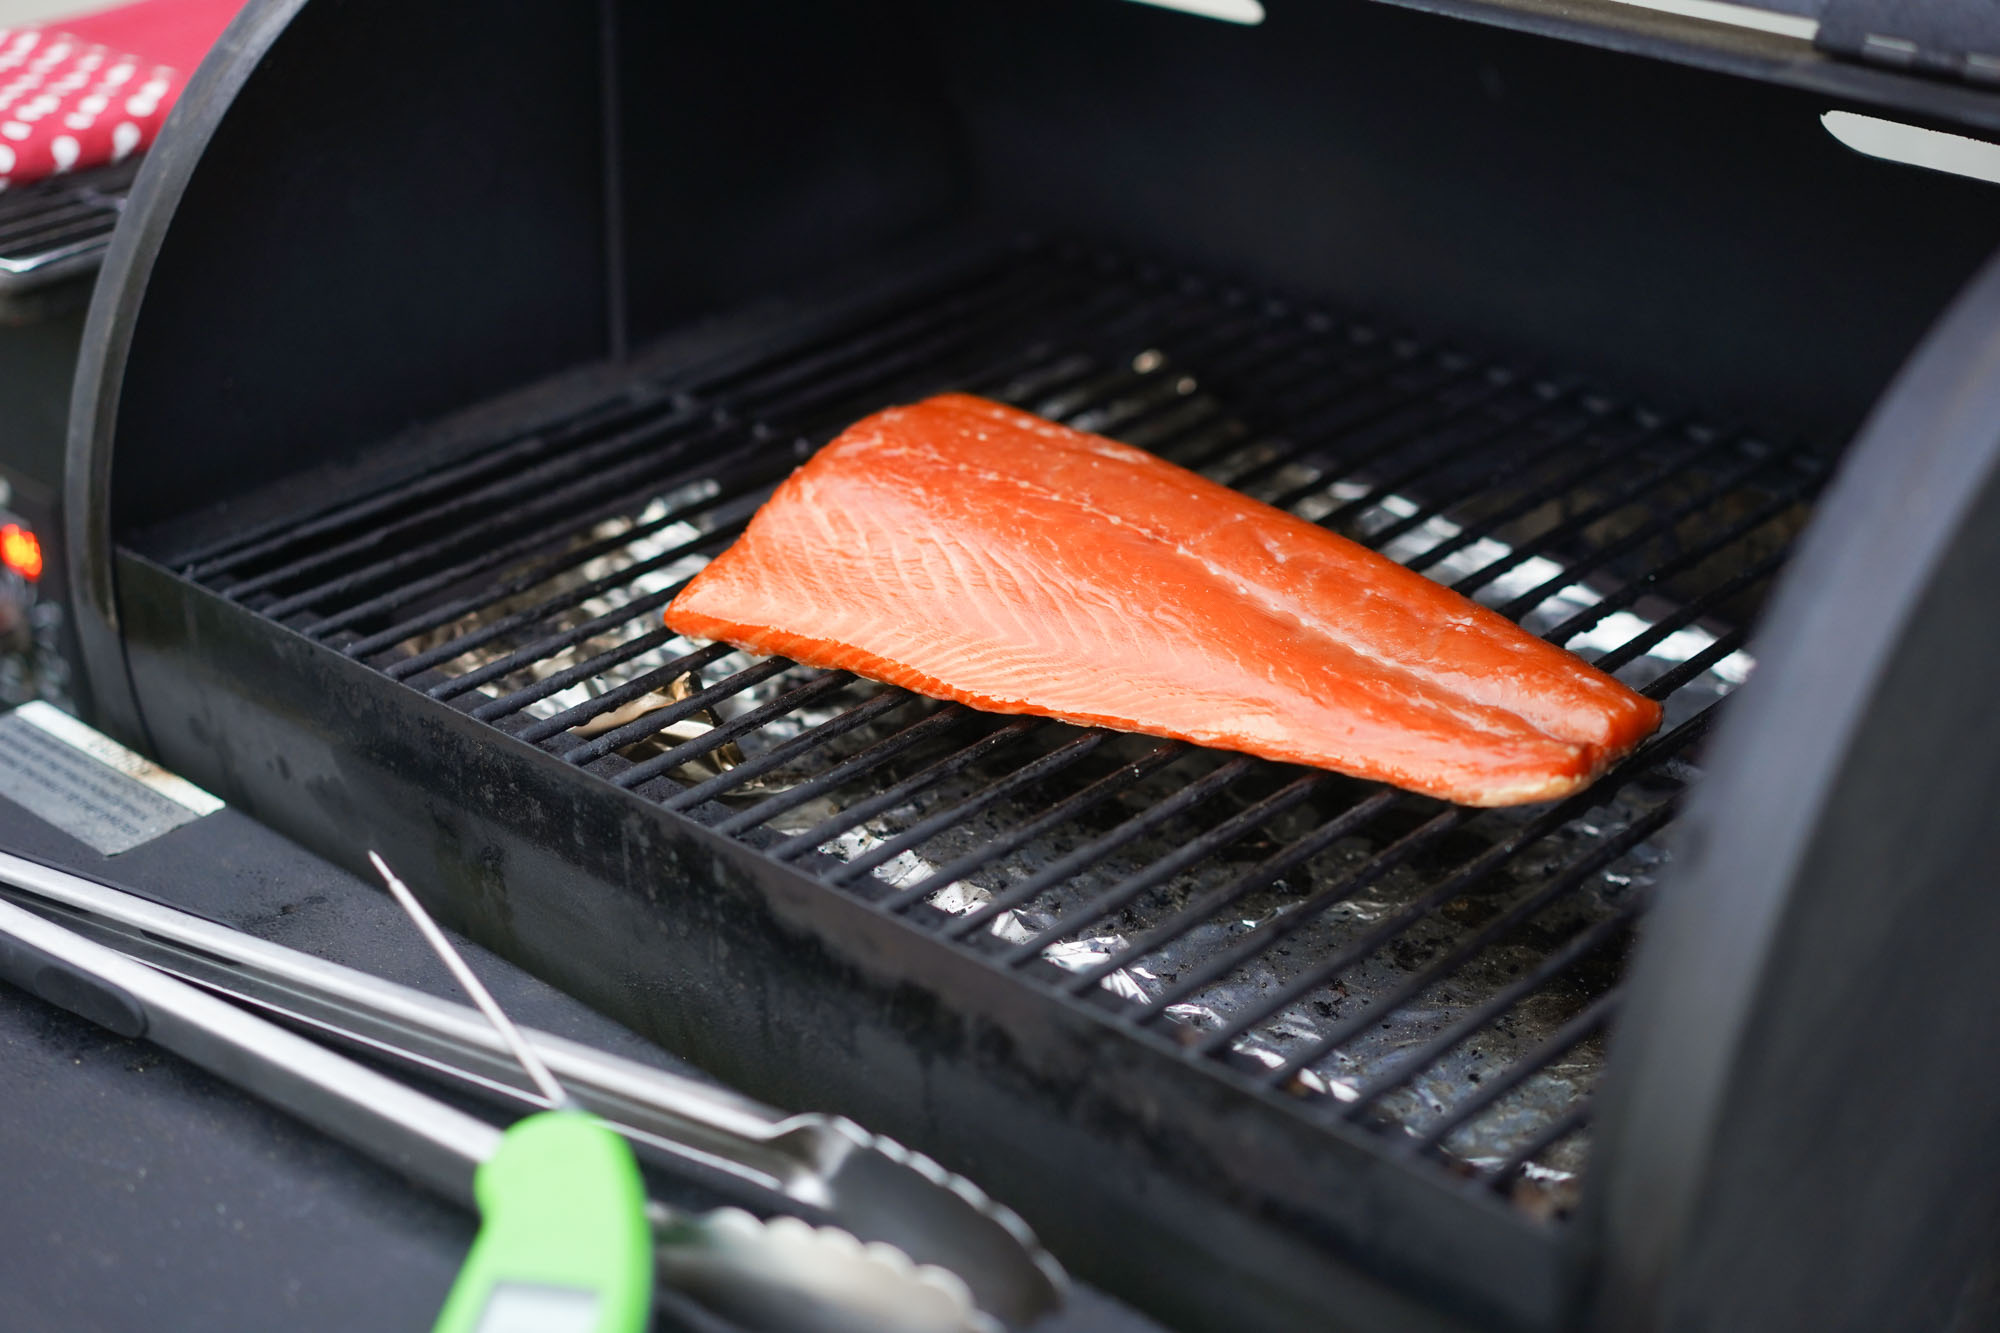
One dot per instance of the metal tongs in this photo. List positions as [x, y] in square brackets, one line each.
[905, 1244]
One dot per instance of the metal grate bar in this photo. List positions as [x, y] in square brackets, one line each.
[1195, 913]
[714, 737]
[1552, 965]
[1080, 403]
[1266, 872]
[543, 648]
[1098, 792]
[1588, 1022]
[630, 690]
[595, 748]
[830, 401]
[533, 480]
[438, 655]
[1369, 427]
[1632, 541]
[876, 706]
[1692, 611]
[443, 613]
[1306, 390]
[1383, 433]
[1256, 941]
[23, 213]
[509, 704]
[1055, 761]
[1632, 492]
[1632, 589]
[1279, 365]
[1657, 574]
[508, 553]
[1694, 450]
[513, 621]
[859, 364]
[924, 729]
[1146, 821]
[767, 377]
[1328, 386]
[1569, 1122]
[238, 549]
[1509, 466]
[58, 227]
[546, 611]
[552, 607]
[64, 229]
[1667, 682]
[1548, 399]
[955, 762]
[1614, 457]
[1570, 877]
[1206, 844]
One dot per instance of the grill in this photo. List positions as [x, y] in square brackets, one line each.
[59, 227]
[1377, 957]
[380, 482]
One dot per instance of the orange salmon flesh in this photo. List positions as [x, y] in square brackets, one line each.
[970, 551]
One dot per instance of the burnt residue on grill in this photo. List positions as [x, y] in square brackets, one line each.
[1443, 975]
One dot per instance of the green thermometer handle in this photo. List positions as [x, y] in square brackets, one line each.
[563, 1244]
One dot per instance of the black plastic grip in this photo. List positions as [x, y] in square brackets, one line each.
[64, 983]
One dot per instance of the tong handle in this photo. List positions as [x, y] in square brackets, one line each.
[68, 986]
[418, 1134]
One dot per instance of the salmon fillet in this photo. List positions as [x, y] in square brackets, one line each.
[969, 551]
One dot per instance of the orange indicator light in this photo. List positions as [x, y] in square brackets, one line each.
[20, 551]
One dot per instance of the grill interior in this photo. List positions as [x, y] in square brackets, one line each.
[1444, 976]
[60, 225]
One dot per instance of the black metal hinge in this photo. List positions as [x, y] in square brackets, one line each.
[1954, 38]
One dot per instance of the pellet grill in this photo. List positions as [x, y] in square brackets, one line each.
[440, 344]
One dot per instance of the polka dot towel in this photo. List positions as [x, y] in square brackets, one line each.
[86, 91]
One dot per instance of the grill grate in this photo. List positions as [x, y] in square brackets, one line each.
[60, 226]
[1444, 975]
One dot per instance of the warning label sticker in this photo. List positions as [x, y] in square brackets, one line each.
[90, 786]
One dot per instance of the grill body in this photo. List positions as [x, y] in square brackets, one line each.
[722, 227]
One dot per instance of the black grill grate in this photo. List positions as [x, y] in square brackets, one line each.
[1442, 974]
[60, 226]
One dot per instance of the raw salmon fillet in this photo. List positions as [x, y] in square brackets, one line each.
[969, 551]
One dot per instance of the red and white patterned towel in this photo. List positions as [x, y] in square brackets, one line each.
[83, 92]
